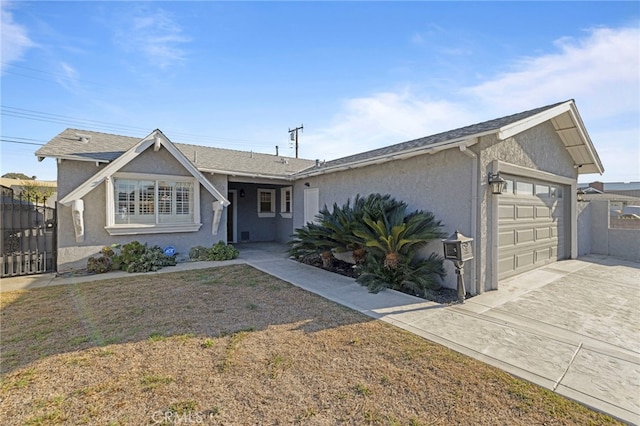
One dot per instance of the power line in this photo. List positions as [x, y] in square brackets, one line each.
[97, 125]
[61, 76]
[101, 125]
[24, 139]
[21, 142]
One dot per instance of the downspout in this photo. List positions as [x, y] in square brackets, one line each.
[475, 288]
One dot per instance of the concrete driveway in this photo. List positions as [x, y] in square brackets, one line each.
[571, 327]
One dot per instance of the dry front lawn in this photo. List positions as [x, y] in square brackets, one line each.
[234, 346]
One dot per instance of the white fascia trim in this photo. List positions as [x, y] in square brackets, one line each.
[430, 149]
[513, 129]
[71, 157]
[286, 178]
[152, 229]
[575, 116]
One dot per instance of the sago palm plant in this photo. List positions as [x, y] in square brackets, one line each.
[394, 240]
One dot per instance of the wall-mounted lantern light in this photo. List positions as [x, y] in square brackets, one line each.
[458, 249]
[242, 194]
[580, 194]
[498, 184]
[307, 184]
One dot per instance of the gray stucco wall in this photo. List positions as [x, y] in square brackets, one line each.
[440, 183]
[620, 243]
[584, 228]
[599, 227]
[73, 255]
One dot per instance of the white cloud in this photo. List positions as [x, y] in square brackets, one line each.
[380, 120]
[599, 71]
[155, 35]
[15, 41]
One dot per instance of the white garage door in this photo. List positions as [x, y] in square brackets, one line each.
[530, 225]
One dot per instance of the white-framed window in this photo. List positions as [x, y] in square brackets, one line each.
[143, 204]
[266, 202]
[286, 202]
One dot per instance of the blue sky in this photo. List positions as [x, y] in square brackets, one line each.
[358, 75]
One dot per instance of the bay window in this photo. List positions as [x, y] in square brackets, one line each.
[139, 203]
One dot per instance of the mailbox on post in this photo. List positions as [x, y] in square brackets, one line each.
[458, 249]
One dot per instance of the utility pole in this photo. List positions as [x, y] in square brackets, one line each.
[294, 136]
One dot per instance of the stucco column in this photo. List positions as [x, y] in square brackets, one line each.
[77, 212]
[217, 214]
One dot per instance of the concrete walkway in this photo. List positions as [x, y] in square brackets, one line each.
[571, 327]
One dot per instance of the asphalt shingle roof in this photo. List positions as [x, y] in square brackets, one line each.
[451, 135]
[108, 147]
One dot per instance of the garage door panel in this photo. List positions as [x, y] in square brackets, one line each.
[543, 233]
[507, 264]
[524, 236]
[507, 212]
[530, 228]
[524, 212]
[506, 239]
[523, 260]
[543, 255]
[543, 212]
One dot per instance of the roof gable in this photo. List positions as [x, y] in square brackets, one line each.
[156, 139]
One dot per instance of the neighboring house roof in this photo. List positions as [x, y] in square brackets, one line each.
[611, 197]
[631, 189]
[21, 182]
[84, 145]
[590, 190]
[564, 116]
[621, 186]
[158, 140]
[630, 193]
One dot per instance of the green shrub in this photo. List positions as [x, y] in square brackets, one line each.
[222, 251]
[335, 229]
[198, 253]
[385, 240]
[137, 257]
[103, 263]
[393, 242]
[219, 251]
[99, 265]
[132, 257]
